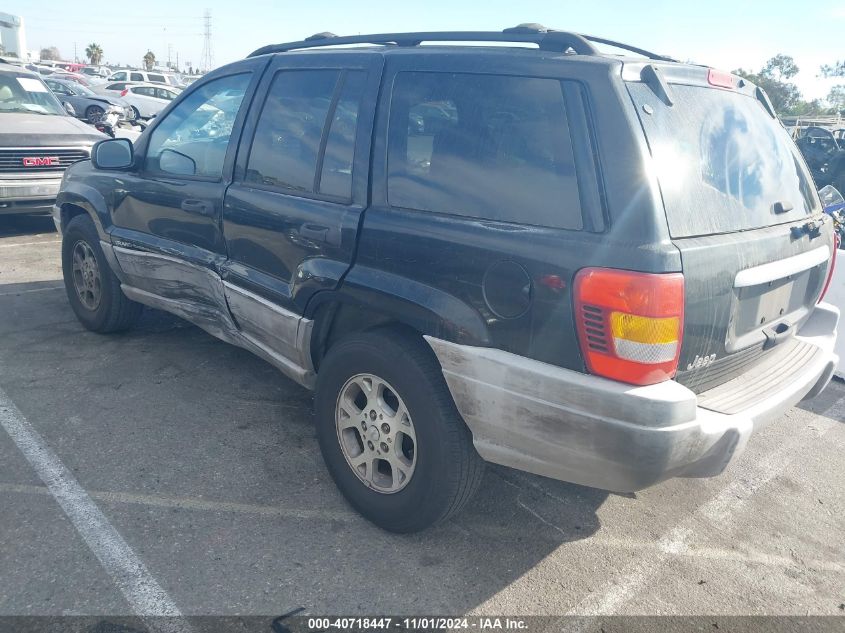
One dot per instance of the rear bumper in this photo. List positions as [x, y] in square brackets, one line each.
[28, 195]
[588, 430]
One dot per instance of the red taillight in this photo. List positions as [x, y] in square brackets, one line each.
[832, 267]
[719, 78]
[123, 92]
[630, 324]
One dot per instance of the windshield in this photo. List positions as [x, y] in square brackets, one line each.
[24, 93]
[83, 90]
[722, 162]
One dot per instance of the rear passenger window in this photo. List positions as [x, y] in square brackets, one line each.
[483, 146]
[136, 77]
[157, 78]
[289, 149]
[336, 174]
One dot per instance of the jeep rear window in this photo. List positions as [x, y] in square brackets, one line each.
[484, 146]
[722, 161]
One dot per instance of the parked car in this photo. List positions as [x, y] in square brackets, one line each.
[38, 140]
[110, 87]
[94, 71]
[603, 269]
[144, 76]
[147, 100]
[42, 70]
[87, 104]
[75, 77]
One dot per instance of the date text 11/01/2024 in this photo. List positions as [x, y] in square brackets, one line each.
[415, 623]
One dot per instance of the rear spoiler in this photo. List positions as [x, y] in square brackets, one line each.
[659, 76]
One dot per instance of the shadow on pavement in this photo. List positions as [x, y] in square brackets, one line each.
[826, 400]
[14, 225]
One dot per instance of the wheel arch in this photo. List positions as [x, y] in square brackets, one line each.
[78, 199]
[374, 299]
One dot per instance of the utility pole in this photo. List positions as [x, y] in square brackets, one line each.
[207, 53]
[169, 46]
[75, 55]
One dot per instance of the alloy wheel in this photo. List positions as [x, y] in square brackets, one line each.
[86, 276]
[376, 433]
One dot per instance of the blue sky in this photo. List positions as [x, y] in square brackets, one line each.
[721, 33]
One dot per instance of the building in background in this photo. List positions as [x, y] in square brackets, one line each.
[13, 37]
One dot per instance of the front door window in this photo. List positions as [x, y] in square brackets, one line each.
[192, 139]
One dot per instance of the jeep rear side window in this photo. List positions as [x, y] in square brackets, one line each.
[288, 147]
[484, 146]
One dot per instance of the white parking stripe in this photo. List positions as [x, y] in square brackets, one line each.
[12, 245]
[193, 504]
[720, 510]
[127, 571]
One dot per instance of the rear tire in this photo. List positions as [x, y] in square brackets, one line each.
[440, 466]
[92, 288]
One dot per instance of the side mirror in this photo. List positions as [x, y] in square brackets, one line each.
[114, 153]
[69, 108]
[174, 162]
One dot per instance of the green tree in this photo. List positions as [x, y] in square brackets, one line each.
[780, 68]
[94, 52]
[836, 98]
[837, 69]
[51, 52]
[783, 94]
[149, 60]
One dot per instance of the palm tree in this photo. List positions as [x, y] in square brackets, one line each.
[94, 52]
[149, 60]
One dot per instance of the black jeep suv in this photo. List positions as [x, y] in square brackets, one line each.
[602, 269]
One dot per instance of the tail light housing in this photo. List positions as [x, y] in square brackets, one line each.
[831, 268]
[123, 92]
[630, 324]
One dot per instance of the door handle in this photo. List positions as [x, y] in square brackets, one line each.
[198, 207]
[314, 232]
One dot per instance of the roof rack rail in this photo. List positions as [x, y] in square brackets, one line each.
[556, 41]
[628, 47]
[546, 39]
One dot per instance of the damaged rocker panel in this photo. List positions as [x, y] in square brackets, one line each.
[221, 308]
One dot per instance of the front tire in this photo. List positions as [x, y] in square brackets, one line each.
[390, 434]
[94, 113]
[92, 288]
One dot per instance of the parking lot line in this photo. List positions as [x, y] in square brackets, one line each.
[206, 505]
[719, 510]
[190, 503]
[127, 571]
[30, 243]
